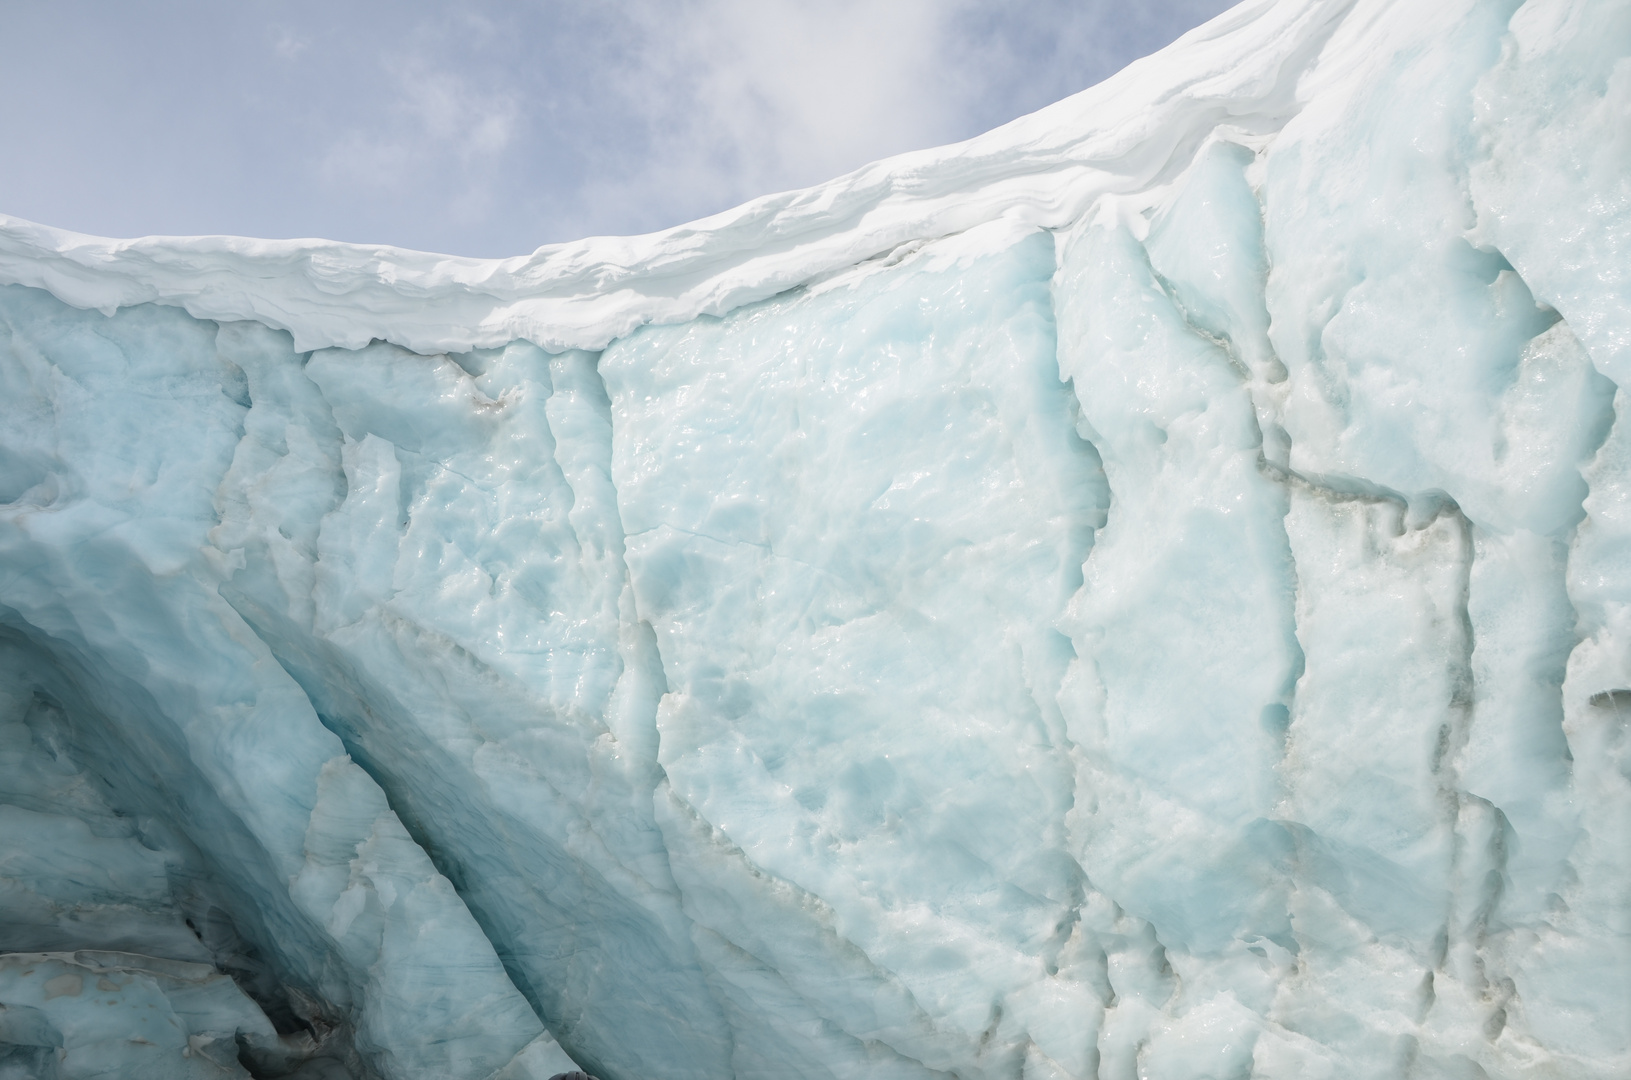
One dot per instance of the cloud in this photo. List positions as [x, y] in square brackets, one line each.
[695, 104]
[722, 100]
[491, 126]
[288, 45]
[803, 90]
[726, 99]
[431, 122]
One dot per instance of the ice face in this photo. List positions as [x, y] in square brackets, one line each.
[1144, 593]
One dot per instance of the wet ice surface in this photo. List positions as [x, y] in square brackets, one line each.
[1145, 593]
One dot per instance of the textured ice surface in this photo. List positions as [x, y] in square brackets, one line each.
[1144, 593]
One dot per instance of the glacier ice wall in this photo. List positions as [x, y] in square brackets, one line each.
[1143, 593]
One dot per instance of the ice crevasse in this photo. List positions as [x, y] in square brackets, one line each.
[1145, 592]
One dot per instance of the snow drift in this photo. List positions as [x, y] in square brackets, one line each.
[1145, 592]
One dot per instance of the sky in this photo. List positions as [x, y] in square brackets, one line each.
[490, 127]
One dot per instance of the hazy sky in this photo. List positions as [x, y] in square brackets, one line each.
[492, 126]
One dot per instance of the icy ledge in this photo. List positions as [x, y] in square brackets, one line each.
[1145, 592]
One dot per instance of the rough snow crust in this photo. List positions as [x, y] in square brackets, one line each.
[1143, 593]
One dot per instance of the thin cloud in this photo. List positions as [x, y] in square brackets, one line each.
[288, 45]
[731, 99]
[433, 122]
[492, 126]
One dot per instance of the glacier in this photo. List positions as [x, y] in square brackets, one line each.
[1144, 593]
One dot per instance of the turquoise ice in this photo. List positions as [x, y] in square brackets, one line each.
[1143, 593]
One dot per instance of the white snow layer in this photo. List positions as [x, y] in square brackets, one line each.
[1143, 593]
